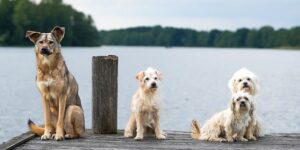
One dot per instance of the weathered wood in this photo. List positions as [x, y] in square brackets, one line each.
[175, 140]
[17, 141]
[104, 94]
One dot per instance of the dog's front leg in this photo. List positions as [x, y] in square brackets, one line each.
[60, 121]
[229, 133]
[158, 133]
[47, 121]
[139, 125]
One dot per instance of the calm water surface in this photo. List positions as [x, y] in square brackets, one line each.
[194, 85]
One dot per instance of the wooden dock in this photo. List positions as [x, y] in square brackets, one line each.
[175, 140]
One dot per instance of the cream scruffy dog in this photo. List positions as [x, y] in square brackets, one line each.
[145, 106]
[246, 81]
[227, 125]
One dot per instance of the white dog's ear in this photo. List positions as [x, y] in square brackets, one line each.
[256, 84]
[139, 76]
[232, 104]
[159, 74]
[232, 85]
[33, 36]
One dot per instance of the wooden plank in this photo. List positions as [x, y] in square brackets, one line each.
[175, 140]
[104, 94]
[17, 141]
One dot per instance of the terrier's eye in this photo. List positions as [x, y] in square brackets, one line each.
[240, 80]
[248, 79]
[155, 78]
[238, 99]
[41, 42]
[246, 98]
[51, 42]
[147, 79]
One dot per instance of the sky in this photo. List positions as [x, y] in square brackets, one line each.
[195, 14]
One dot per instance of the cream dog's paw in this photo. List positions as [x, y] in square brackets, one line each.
[138, 138]
[161, 137]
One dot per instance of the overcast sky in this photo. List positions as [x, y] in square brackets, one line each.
[196, 14]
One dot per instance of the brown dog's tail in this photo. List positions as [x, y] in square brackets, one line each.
[35, 129]
[195, 130]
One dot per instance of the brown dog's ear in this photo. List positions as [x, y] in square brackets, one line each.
[58, 32]
[140, 75]
[33, 36]
[159, 74]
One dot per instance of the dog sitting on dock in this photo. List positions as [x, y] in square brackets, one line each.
[145, 106]
[63, 113]
[246, 81]
[228, 125]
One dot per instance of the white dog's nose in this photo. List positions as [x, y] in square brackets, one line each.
[153, 85]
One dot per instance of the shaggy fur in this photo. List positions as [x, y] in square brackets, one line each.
[244, 80]
[145, 107]
[227, 125]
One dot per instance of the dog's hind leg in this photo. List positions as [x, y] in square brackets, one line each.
[74, 122]
[131, 126]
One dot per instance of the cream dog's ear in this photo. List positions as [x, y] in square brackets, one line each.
[256, 84]
[232, 104]
[159, 74]
[232, 85]
[139, 76]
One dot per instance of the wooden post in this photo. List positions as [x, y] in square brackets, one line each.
[104, 94]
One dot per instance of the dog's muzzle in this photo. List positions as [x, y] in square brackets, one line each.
[153, 85]
[245, 85]
[45, 51]
[243, 104]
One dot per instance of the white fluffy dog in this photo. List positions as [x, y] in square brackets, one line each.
[227, 125]
[246, 81]
[145, 107]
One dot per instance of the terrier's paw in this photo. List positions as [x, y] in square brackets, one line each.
[242, 139]
[46, 136]
[128, 134]
[251, 138]
[138, 138]
[230, 139]
[161, 137]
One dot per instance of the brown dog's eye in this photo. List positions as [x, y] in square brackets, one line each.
[248, 79]
[41, 42]
[240, 80]
[50, 42]
[147, 79]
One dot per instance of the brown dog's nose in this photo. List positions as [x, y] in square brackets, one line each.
[45, 51]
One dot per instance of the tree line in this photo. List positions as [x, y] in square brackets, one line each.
[264, 37]
[18, 16]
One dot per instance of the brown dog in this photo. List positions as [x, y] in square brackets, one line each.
[63, 114]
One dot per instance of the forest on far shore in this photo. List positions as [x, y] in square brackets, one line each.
[18, 16]
[265, 37]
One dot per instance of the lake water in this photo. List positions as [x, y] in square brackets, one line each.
[194, 85]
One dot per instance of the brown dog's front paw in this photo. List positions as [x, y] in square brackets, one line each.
[46, 136]
[58, 137]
